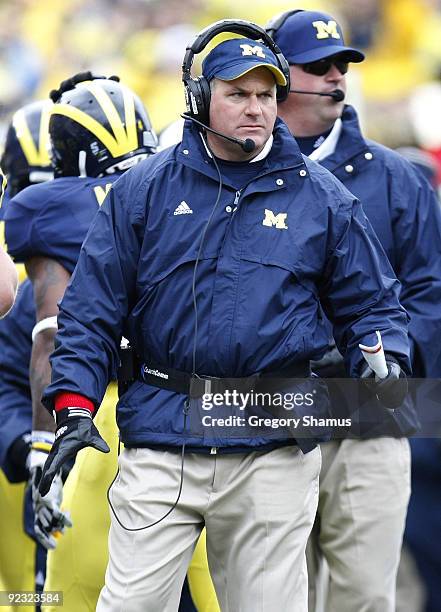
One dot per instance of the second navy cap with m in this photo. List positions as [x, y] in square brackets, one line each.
[309, 36]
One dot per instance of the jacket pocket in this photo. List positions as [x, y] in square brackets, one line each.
[155, 270]
[276, 312]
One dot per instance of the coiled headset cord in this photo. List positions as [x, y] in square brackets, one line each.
[187, 401]
[186, 407]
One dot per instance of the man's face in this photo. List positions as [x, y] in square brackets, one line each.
[309, 115]
[243, 108]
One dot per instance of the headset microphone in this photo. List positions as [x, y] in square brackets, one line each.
[247, 145]
[338, 95]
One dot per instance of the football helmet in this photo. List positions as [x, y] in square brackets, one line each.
[98, 126]
[25, 158]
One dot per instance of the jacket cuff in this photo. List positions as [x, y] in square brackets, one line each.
[73, 400]
[396, 359]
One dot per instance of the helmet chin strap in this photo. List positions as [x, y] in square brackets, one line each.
[82, 158]
[124, 164]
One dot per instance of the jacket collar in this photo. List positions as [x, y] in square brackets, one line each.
[351, 142]
[283, 155]
[327, 147]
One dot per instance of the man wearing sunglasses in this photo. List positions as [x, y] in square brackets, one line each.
[365, 479]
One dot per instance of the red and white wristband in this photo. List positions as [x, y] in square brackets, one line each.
[72, 405]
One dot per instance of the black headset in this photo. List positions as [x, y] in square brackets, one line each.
[197, 90]
[277, 22]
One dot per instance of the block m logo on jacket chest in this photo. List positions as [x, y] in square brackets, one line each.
[272, 220]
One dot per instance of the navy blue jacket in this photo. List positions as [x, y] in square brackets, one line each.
[15, 354]
[259, 287]
[406, 216]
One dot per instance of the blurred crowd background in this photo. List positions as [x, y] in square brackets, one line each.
[397, 89]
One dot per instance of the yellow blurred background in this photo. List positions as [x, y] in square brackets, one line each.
[143, 41]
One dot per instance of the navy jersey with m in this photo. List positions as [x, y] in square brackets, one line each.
[52, 219]
[49, 219]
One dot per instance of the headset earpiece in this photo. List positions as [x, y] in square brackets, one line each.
[197, 97]
[283, 90]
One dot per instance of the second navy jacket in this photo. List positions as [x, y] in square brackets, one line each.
[405, 213]
[291, 242]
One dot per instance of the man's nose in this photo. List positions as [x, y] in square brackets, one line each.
[334, 74]
[253, 106]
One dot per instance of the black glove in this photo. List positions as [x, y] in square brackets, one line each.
[392, 390]
[73, 433]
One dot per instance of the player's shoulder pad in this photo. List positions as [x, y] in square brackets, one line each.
[32, 197]
[22, 216]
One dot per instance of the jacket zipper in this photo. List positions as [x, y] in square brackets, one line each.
[236, 199]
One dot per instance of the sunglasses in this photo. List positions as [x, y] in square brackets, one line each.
[322, 67]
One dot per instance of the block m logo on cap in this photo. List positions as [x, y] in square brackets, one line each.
[272, 220]
[249, 50]
[326, 30]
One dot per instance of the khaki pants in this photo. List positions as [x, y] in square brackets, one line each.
[258, 509]
[411, 590]
[364, 493]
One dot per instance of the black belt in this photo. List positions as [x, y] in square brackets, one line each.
[197, 385]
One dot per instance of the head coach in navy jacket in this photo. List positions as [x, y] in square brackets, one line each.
[215, 258]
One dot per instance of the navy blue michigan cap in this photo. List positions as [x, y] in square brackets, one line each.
[308, 36]
[233, 58]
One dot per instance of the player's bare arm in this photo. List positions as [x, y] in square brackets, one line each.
[49, 280]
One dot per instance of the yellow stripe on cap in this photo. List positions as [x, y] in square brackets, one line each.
[124, 139]
[36, 153]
